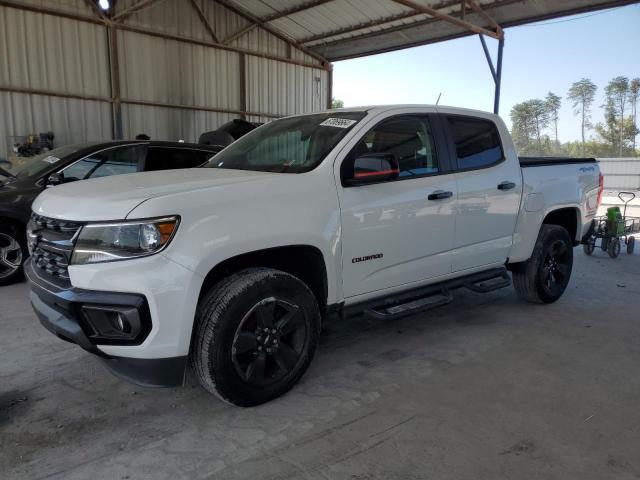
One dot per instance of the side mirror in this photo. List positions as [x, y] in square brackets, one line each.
[55, 179]
[373, 168]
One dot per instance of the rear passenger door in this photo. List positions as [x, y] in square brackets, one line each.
[489, 191]
[397, 232]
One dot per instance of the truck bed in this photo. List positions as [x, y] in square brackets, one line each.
[540, 161]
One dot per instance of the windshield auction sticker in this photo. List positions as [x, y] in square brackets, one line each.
[51, 159]
[337, 122]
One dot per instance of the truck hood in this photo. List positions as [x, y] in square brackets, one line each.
[112, 198]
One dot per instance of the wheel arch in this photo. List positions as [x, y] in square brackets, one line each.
[568, 218]
[305, 262]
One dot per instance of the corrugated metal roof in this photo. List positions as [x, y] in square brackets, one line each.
[340, 29]
[55, 75]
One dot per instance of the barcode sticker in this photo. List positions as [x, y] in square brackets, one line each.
[51, 159]
[337, 122]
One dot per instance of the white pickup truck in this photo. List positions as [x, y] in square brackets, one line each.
[234, 266]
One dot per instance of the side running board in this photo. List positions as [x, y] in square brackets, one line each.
[504, 280]
[432, 296]
[409, 308]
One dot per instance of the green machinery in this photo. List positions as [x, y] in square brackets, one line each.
[614, 228]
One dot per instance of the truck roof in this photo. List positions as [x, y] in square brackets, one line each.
[442, 108]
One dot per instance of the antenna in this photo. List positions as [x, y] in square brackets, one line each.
[438, 101]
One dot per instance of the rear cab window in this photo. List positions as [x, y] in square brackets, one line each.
[476, 141]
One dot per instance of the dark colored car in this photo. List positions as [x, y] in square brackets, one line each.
[22, 184]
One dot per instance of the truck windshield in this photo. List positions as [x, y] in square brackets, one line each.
[290, 145]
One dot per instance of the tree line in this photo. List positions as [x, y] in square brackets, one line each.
[535, 122]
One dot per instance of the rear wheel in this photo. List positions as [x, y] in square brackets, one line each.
[545, 276]
[13, 253]
[631, 243]
[590, 246]
[255, 335]
[613, 249]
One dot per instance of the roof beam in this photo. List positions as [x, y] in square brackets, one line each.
[274, 31]
[290, 11]
[417, 24]
[447, 18]
[240, 33]
[275, 16]
[374, 23]
[204, 20]
[132, 9]
[488, 18]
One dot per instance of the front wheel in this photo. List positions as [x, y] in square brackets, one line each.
[255, 335]
[545, 276]
[13, 253]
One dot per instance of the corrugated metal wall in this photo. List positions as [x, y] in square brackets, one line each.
[170, 88]
[620, 173]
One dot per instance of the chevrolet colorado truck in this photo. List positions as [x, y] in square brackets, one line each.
[233, 267]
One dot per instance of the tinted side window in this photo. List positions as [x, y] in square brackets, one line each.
[160, 158]
[476, 140]
[114, 161]
[408, 138]
[203, 156]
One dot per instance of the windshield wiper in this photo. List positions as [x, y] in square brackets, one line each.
[7, 173]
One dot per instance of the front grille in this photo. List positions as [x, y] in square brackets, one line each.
[51, 243]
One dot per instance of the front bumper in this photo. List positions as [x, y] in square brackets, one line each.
[61, 312]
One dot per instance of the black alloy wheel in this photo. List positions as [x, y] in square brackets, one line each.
[556, 268]
[255, 334]
[269, 342]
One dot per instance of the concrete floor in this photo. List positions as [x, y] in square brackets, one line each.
[485, 388]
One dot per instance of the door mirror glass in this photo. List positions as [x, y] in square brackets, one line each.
[373, 168]
[55, 179]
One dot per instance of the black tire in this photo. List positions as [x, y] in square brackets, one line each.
[604, 244]
[631, 243]
[589, 247]
[613, 249]
[13, 253]
[545, 276]
[232, 355]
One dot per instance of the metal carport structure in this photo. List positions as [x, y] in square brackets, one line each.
[345, 29]
[257, 59]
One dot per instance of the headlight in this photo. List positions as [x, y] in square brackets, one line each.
[109, 242]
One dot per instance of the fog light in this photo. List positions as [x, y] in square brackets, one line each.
[112, 323]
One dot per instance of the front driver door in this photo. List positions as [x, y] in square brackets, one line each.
[398, 232]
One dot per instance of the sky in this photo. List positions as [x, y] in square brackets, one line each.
[538, 58]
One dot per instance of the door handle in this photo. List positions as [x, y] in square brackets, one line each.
[440, 195]
[506, 185]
